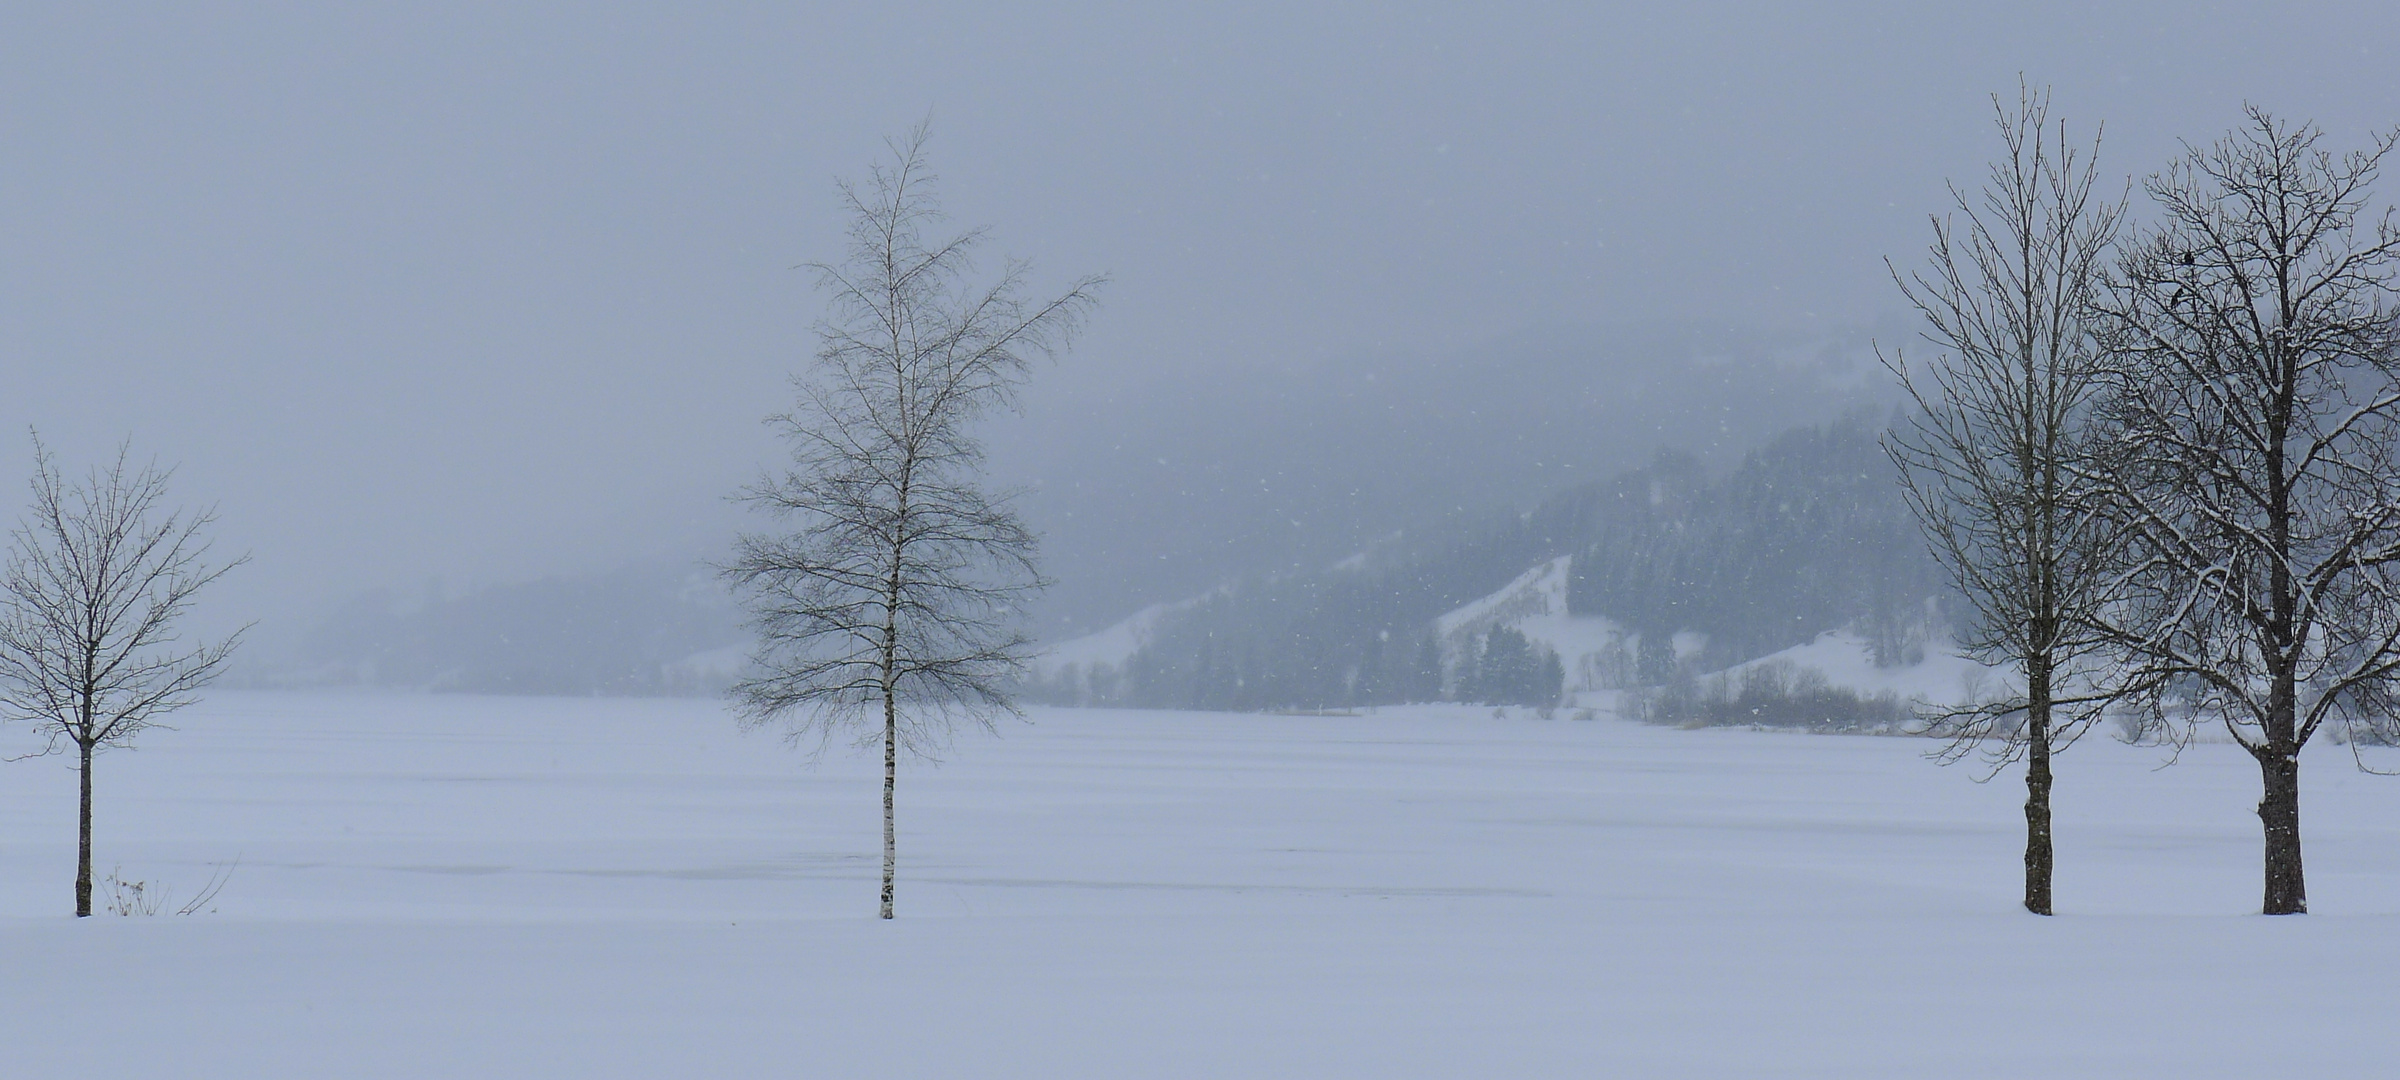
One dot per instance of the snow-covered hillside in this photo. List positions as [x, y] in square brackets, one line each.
[1111, 645]
[1847, 662]
[1598, 653]
[1088, 668]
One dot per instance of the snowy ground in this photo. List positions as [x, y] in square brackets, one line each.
[446, 886]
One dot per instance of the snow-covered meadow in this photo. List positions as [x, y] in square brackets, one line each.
[458, 886]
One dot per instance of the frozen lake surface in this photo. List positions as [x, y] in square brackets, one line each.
[455, 886]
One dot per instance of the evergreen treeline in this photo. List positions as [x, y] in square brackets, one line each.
[1507, 669]
[1807, 534]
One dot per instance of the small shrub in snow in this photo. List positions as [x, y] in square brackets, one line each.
[132, 897]
[150, 898]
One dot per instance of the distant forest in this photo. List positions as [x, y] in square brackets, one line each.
[1807, 534]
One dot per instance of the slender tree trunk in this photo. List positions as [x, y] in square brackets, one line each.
[891, 772]
[2279, 761]
[891, 711]
[2037, 786]
[83, 845]
[2279, 812]
[891, 672]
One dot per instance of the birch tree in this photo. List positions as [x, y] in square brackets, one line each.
[2261, 458]
[891, 608]
[1995, 461]
[99, 575]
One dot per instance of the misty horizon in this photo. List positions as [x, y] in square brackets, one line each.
[485, 298]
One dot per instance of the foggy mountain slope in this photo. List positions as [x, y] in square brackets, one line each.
[1810, 533]
[1412, 468]
[1151, 491]
[1686, 571]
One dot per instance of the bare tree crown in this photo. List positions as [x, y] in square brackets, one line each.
[902, 577]
[98, 575]
[2261, 419]
[1997, 459]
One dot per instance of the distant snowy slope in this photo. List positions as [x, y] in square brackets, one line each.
[1112, 646]
[1195, 479]
[1091, 669]
[1630, 579]
[1847, 662]
[1593, 648]
[1598, 651]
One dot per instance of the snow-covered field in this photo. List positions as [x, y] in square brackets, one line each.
[450, 886]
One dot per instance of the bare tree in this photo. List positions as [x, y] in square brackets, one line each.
[98, 576]
[1995, 460]
[892, 609]
[2261, 469]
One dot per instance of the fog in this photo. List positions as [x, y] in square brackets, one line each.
[429, 298]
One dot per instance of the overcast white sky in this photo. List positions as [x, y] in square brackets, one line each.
[483, 292]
